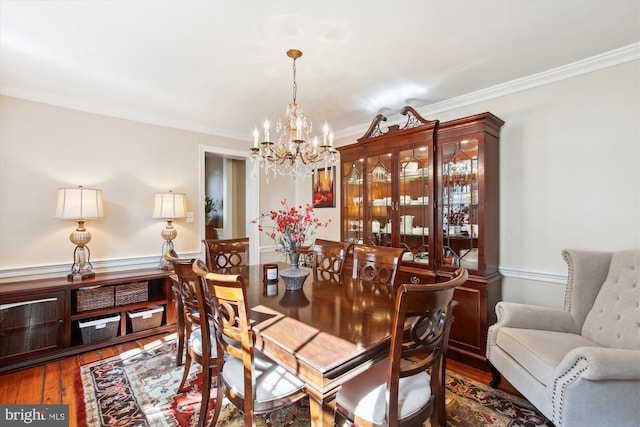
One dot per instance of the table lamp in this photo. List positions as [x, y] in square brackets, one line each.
[80, 204]
[169, 206]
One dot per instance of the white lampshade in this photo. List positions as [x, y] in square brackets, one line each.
[170, 206]
[79, 203]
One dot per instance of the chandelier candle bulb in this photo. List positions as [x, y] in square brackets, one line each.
[326, 133]
[255, 137]
[331, 139]
[299, 129]
[266, 130]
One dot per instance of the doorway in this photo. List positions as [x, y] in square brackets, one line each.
[229, 196]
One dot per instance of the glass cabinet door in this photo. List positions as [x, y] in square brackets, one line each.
[352, 202]
[416, 215]
[460, 215]
[379, 200]
[30, 326]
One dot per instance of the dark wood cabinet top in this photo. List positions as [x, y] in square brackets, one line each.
[61, 283]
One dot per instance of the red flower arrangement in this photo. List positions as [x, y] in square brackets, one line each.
[291, 226]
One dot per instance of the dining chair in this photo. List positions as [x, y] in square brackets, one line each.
[197, 316]
[226, 253]
[328, 257]
[176, 288]
[376, 264]
[251, 381]
[407, 388]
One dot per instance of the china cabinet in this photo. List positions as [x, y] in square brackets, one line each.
[432, 188]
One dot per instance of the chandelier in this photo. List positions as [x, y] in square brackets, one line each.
[295, 151]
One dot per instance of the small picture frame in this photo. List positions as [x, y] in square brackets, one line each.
[323, 187]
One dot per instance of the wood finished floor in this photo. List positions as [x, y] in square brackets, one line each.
[53, 383]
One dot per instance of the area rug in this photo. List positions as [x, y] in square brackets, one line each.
[139, 389]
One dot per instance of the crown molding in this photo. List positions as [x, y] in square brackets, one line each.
[605, 60]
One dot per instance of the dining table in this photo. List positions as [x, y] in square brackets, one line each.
[331, 330]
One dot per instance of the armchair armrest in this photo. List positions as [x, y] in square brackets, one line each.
[600, 363]
[594, 382]
[525, 316]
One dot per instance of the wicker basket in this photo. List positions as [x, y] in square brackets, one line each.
[94, 297]
[99, 329]
[146, 318]
[132, 293]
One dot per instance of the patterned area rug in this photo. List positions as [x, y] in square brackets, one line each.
[139, 389]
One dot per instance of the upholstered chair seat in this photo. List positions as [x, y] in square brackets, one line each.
[195, 342]
[365, 396]
[274, 384]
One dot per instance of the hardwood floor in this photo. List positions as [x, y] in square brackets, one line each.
[53, 383]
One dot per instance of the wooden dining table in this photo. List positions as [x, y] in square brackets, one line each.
[329, 331]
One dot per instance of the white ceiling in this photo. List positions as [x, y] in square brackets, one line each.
[220, 66]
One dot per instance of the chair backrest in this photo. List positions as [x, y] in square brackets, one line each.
[427, 311]
[232, 323]
[186, 285]
[225, 253]
[615, 317]
[195, 301]
[328, 256]
[377, 264]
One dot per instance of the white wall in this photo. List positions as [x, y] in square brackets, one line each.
[43, 147]
[570, 152]
[570, 156]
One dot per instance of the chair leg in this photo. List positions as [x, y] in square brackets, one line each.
[180, 328]
[438, 378]
[495, 376]
[340, 420]
[185, 372]
[219, 399]
[180, 349]
[206, 393]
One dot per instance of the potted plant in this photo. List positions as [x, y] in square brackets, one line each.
[210, 206]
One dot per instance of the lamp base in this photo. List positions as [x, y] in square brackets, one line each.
[167, 247]
[72, 277]
[82, 268]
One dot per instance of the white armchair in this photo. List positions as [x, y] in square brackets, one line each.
[580, 365]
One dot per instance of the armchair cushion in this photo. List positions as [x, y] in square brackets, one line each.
[539, 352]
[614, 320]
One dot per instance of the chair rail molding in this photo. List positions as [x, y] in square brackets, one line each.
[53, 270]
[538, 276]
